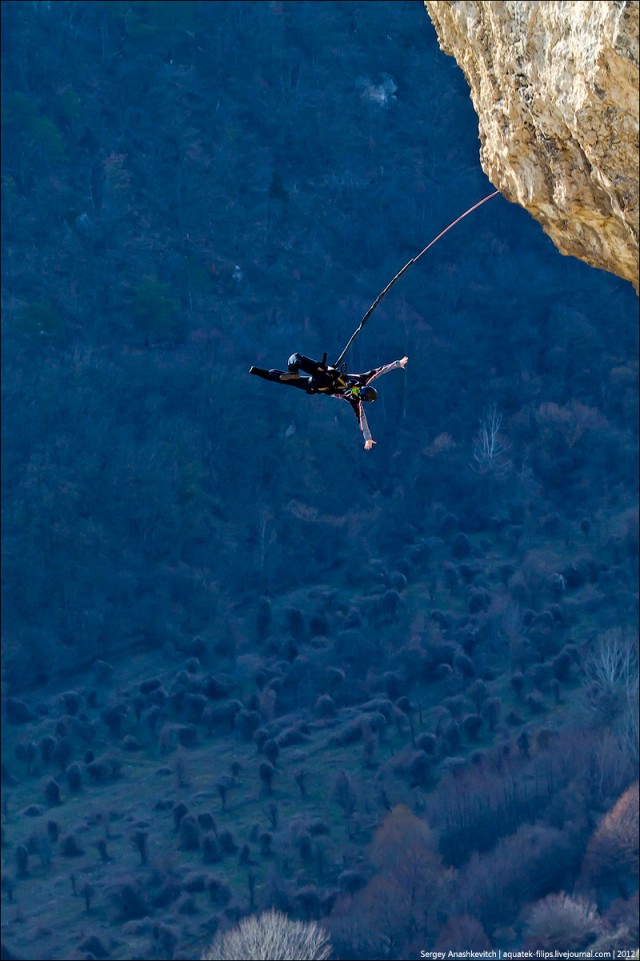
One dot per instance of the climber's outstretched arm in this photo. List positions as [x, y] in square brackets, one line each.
[379, 371]
[358, 409]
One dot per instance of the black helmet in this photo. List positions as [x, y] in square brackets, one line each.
[368, 394]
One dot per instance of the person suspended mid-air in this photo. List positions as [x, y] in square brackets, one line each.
[320, 378]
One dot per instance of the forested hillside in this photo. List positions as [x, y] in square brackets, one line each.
[247, 663]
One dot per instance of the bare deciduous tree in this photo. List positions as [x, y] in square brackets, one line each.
[270, 936]
[612, 853]
[491, 449]
[610, 673]
[560, 919]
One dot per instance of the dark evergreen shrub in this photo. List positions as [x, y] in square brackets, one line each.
[352, 881]
[63, 752]
[448, 526]
[158, 697]
[168, 892]
[468, 572]
[189, 833]
[195, 882]
[218, 686]
[456, 705]
[427, 743]
[395, 684]
[219, 892]
[73, 702]
[104, 767]
[206, 822]
[451, 577]
[514, 719]
[464, 665]
[139, 839]
[52, 792]
[266, 842]
[187, 735]
[472, 724]
[220, 715]
[348, 734]
[227, 842]
[491, 712]
[244, 857]
[304, 845]
[419, 769]
[266, 773]
[295, 734]
[271, 750]
[389, 603]
[451, 736]
[179, 811]
[506, 572]
[194, 667]
[479, 600]
[47, 747]
[195, 647]
[443, 672]
[561, 666]
[131, 743]
[403, 704]
[165, 939]
[454, 765]
[94, 946]
[102, 670]
[536, 704]
[477, 692]
[17, 711]
[324, 706]
[541, 675]
[294, 623]
[246, 722]
[74, 777]
[317, 826]
[130, 900]
[70, 848]
[260, 738]
[113, 716]
[319, 625]
[461, 546]
[194, 705]
[210, 849]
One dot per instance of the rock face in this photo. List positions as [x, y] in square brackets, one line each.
[555, 87]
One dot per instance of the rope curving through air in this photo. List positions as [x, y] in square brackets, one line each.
[405, 268]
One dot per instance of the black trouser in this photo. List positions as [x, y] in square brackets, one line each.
[301, 382]
[299, 362]
[317, 379]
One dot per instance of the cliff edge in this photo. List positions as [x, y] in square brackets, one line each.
[555, 87]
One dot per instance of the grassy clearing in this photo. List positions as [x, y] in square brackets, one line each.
[45, 910]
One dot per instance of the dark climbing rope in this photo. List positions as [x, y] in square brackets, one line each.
[405, 268]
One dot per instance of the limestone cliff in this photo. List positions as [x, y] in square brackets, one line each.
[555, 87]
